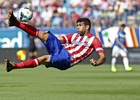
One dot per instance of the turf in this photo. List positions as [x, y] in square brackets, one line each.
[82, 82]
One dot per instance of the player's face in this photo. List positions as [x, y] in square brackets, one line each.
[122, 29]
[81, 28]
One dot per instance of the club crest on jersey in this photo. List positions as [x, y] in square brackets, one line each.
[87, 39]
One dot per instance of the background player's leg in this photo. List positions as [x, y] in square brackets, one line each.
[123, 53]
[115, 54]
[126, 63]
[113, 62]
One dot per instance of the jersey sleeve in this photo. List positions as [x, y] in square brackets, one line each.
[97, 45]
[119, 35]
[67, 38]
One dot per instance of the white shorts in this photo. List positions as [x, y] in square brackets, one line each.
[116, 51]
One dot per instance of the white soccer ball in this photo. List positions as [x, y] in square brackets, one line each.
[25, 14]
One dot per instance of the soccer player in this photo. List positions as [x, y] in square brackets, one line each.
[77, 46]
[32, 46]
[120, 49]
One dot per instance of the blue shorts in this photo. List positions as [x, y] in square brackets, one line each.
[60, 57]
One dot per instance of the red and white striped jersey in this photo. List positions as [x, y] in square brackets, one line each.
[80, 47]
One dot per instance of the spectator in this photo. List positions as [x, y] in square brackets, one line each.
[62, 11]
[34, 4]
[85, 12]
[36, 20]
[90, 15]
[45, 3]
[75, 6]
[104, 5]
[46, 17]
[75, 3]
[15, 9]
[1, 3]
[104, 19]
[96, 16]
[70, 8]
[112, 16]
[137, 8]
[5, 8]
[96, 3]
[74, 17]
[119, 11]
[130, 7]
[56, 20]
[138, 4]
[83, 3]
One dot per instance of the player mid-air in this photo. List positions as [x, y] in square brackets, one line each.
[77, 46]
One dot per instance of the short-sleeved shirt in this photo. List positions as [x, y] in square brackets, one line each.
[80, 47]
[75, 49]
[121, 37]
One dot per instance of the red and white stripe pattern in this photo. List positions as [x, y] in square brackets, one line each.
[80, 47]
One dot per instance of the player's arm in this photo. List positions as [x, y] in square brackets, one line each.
[65, 39]
[100, 61]
[98, 47]
[121, 45]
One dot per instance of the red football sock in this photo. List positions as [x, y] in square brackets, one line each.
[27, 28]
[27, 64]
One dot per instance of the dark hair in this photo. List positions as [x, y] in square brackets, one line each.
[123, 25]
[85, 20]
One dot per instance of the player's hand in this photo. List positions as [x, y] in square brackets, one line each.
[122, 46]
[93, 62]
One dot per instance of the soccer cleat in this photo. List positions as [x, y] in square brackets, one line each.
[129, 69]
[113, 69]
[12, 18]
[9, 65]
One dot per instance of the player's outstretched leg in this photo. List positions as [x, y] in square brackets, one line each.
[25, 27]
[9, 65]
[12, 18]
[26, 64]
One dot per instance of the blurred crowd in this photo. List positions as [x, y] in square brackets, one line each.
[64, 13]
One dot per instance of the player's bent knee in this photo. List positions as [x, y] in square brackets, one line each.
[44, 59]
[115, 57]
[43, 36]
[124, 56]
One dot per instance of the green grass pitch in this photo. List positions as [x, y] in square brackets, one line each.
[82, 82]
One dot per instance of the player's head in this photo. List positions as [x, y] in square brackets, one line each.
[122, 27]
[83, 25]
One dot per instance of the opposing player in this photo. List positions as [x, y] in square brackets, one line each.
[120, 49]
[77, 46]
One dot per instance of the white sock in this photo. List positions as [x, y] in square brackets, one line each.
[126, 63]
[113, 62]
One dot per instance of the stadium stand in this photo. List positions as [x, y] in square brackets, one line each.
[63, 13]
